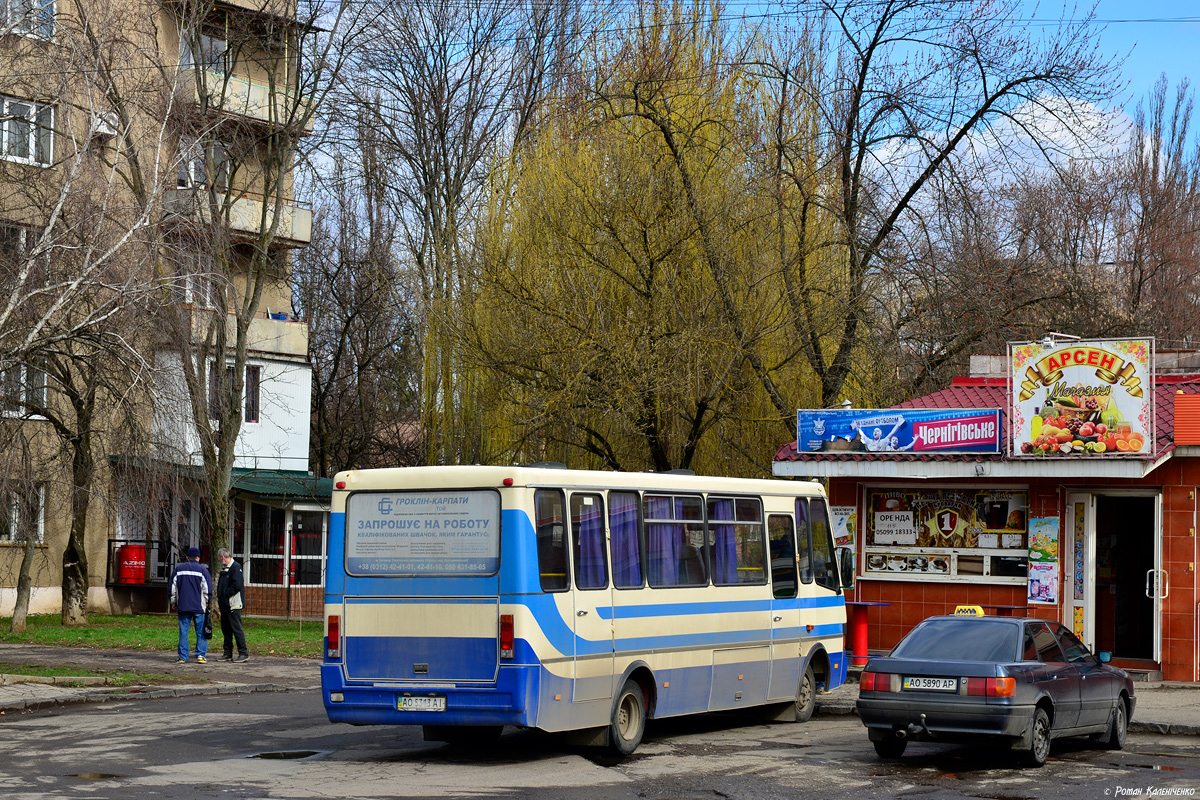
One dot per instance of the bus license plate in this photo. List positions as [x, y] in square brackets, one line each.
[421, 704]
[931, 684]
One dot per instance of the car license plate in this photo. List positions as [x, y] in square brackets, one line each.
[421, 704]
[931, 684]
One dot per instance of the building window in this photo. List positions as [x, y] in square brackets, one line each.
[195, 280]
[23, 516]
[308, 544]
[202, 166]
[266, 544]
[216, 394]
[14, 243]
[252, 382]
[28, 17]
[26, 131]
[22, 390]
[208, 51]
[250, 388]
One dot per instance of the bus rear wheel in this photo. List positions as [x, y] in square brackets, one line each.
[628, 719]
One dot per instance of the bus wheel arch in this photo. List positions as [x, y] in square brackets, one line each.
[818, 659]
[640, 673]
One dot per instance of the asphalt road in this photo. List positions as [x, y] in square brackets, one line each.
[280, 745]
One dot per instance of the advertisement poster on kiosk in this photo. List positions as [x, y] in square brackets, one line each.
[1082, 399]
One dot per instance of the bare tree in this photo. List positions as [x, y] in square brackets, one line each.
[232, 214]
[450, 88]
[365, 402]
[76, 256]
[910, 92]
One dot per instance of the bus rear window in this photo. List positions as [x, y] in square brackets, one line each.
[442, 532]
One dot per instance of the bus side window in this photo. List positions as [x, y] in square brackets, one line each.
[782, 537]
[626, 540]
[587, 532]
[551, 539]
[803, 550]
[736, 540]
[824, 563]
[675, 541]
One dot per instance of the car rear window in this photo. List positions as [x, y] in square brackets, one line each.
[960, 640]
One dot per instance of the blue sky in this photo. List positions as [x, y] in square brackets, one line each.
[1164, 36]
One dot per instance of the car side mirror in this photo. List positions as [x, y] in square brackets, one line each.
[1104, 656]
[845, 558]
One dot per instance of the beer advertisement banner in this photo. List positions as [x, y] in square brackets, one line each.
[892, 430]
[1084, 399]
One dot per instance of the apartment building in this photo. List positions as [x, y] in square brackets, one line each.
[173, 128]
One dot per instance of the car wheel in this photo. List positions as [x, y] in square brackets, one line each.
[1117, 730]
[806, 695]
[891, 747]
[628, 720]
[1039, 739]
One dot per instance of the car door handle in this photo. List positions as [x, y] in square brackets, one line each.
[777, 619]
[581, 613]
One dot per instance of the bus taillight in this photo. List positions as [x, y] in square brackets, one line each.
[334, 637]
[506, 635]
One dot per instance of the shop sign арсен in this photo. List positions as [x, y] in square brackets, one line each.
[1082, 399]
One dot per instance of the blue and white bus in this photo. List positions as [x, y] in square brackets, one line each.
[464, 599]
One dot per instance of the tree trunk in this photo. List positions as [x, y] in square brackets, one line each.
[24, 586]
[75, 562]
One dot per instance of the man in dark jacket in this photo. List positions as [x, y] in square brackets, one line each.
[231, 588]
[191, 594]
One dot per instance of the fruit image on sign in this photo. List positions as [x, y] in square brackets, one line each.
[1082, 399]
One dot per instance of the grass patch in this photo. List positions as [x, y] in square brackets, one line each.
[115, 678]
[160, 633]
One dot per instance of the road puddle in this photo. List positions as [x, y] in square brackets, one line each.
[286, 754]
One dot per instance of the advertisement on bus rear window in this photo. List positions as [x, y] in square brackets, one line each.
[444, 532]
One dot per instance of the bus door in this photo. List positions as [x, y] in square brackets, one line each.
[593, 599]
[785, 609]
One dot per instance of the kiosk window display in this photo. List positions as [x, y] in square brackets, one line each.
[947, 533]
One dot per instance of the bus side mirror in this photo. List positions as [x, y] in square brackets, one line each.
[1104, 656]
[845, 558]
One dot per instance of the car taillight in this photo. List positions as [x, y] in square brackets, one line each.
[506, 635]
[879, 682]
[991, 687]
[334, 637]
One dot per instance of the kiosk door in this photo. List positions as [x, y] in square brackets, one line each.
[1079, 560]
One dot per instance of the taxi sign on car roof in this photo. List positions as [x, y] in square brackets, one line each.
[968, 611]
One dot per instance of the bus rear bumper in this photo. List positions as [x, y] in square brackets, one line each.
[465, 704]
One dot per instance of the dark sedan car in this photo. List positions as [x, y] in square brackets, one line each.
[1019, 681]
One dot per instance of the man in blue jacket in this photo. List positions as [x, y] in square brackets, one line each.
[191, 593]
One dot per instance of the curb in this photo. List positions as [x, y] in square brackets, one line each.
[144, 693]
[81, 680]
[1166, 728]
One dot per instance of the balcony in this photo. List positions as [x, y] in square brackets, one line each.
[234, 95]
[277, 333]
[248, 214]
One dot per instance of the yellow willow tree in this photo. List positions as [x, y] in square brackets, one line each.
[616, 328]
